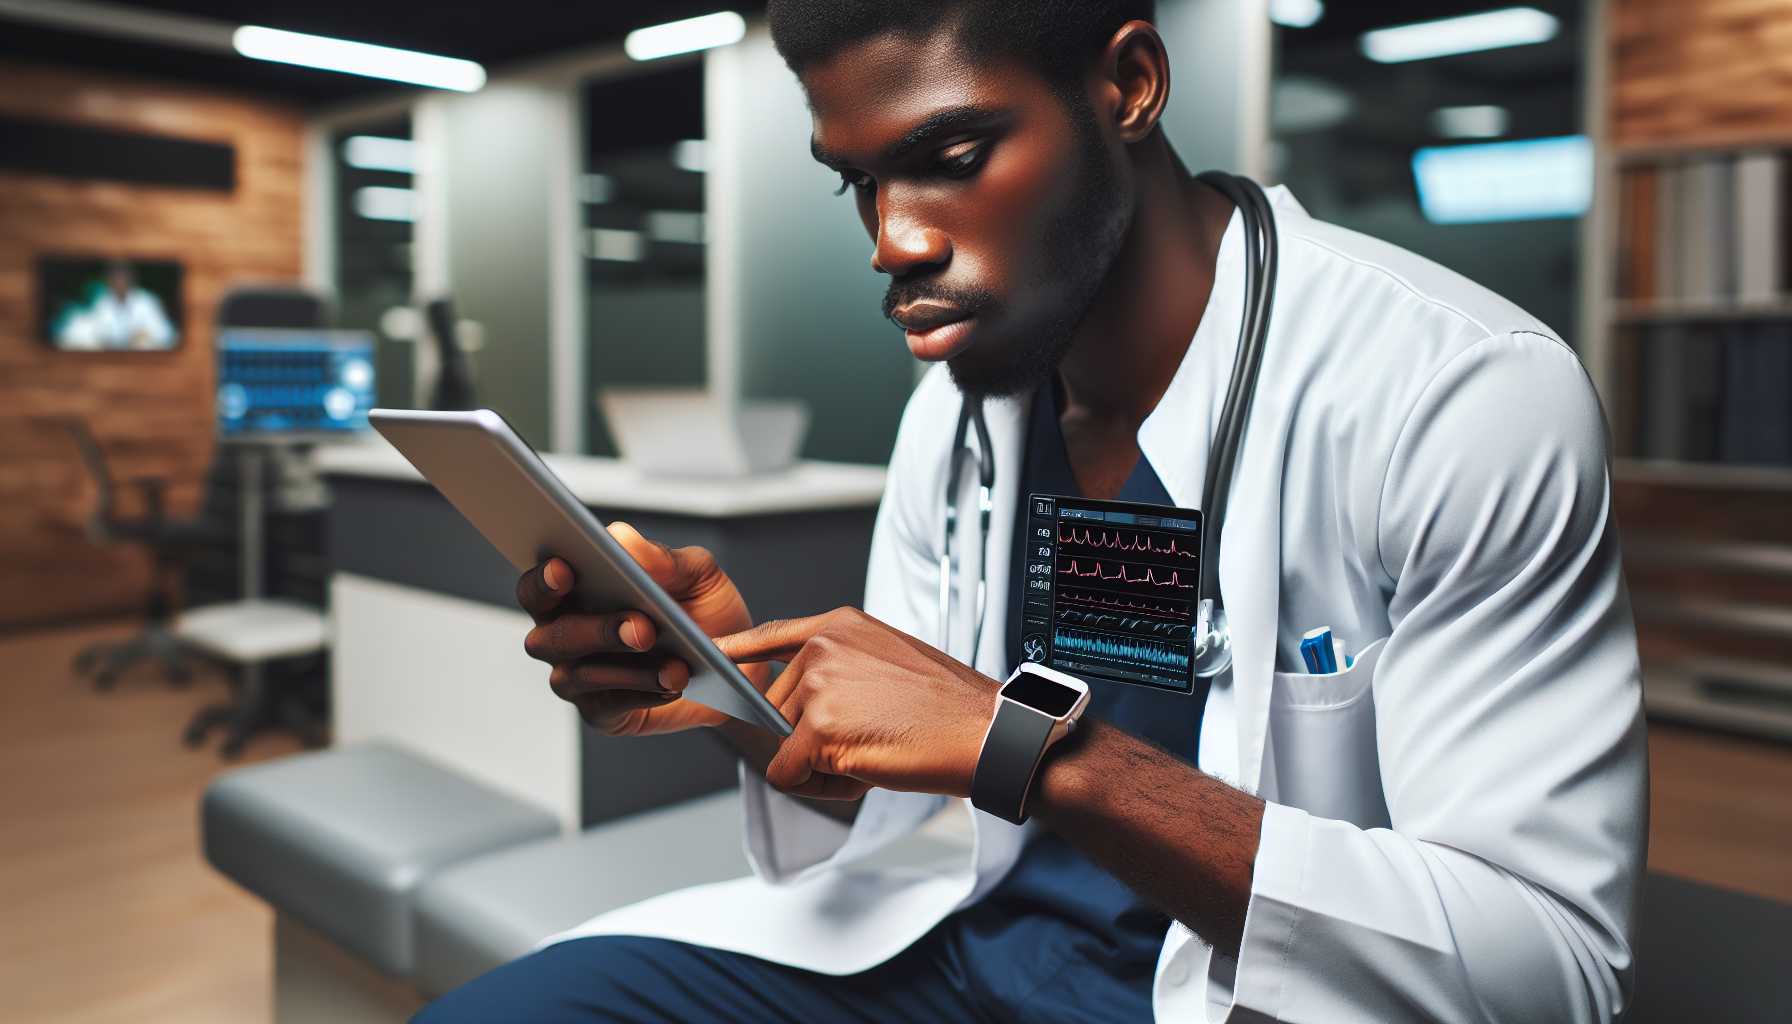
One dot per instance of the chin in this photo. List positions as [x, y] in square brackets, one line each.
[1001, 370]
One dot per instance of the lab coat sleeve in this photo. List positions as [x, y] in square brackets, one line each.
[786, 840]
[1508, 726]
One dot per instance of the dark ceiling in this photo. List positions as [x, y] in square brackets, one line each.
[516, 30]
[494, 34]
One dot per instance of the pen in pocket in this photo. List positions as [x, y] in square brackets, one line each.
[1323, 653]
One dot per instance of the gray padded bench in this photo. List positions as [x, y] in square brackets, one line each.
[490, 910]
[340, 839]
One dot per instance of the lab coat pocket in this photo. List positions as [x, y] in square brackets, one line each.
[1322, 754]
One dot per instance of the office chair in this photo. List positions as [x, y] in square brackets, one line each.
[169, 543]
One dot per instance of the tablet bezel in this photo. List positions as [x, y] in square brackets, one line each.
[433, 443]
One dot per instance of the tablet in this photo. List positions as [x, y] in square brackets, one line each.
[510, 496]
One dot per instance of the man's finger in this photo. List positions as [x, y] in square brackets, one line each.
[573, 636]
[540, 590]
[772, 640]
[792, 766]
[680, 571]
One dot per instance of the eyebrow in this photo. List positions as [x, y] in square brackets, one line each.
[934, 127]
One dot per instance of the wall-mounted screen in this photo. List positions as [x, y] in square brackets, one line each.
[311, 382]
[109, 304]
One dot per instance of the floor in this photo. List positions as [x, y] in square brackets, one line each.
[112, 915]
[110, 912]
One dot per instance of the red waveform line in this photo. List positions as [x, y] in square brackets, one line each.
[1099, 601]
[1150, 576]
[1116, 541]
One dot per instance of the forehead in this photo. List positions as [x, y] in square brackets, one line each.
[875, 90]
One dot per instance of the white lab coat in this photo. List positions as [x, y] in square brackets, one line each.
[135, 321]
[1456, 825]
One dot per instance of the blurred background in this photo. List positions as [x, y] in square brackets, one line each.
[227, 231]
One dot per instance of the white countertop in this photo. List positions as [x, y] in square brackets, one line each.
[612, 483]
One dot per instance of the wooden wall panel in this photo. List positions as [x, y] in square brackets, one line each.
[152, 412]
[1691, 73]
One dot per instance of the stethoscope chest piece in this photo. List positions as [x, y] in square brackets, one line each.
[1213, 639]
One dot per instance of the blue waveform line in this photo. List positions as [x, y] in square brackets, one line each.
[1145, 651]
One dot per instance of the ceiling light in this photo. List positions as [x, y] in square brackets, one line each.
[1477, 122]
[378, 202]
[1489, 30]
[616, 245]
[689, 155]
[358, 58]
[377, 153]
[700, 33]
[1296, 13]
[1532, 179]
[1300, 103]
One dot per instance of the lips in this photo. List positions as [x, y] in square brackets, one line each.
[922, 317]
[935, 330]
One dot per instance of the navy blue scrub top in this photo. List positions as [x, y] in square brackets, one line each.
[1124, 934]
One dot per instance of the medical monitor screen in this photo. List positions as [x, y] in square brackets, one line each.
[1111, 590]
[307, 382]
[101, 304]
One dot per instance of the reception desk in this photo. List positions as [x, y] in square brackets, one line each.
[427, 639]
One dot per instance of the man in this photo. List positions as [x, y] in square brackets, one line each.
[1424, 468]
[120, 317]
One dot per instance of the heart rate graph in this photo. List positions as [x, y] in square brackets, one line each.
[1122, 650]
[1111, 589]
[1072, 536]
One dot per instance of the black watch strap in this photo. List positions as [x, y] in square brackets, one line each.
[1011, 755]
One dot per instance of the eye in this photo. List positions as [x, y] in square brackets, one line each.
[856, 181]
[963, 159]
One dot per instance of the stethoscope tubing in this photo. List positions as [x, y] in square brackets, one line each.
[1260, 270]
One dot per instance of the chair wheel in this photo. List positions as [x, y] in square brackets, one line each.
[105, 680]
[232, 748]
[194, 735]
[85, 662]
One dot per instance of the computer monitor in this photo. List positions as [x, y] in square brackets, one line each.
[284, 382]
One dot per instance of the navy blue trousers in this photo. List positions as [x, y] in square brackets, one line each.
[983, 964]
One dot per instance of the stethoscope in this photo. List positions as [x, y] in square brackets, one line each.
[1212, 635]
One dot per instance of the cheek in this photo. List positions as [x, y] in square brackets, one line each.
[1012, 206]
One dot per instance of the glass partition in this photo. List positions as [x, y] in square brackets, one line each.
[644, 234]
[375, 207]
[1476, 159]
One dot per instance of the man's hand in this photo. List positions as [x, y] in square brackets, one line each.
[603, 662]
[872, 706]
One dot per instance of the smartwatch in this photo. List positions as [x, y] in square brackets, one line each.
[1037, 707]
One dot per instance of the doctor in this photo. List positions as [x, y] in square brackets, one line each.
[1452, 829]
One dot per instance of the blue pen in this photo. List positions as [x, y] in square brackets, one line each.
[1316, 651]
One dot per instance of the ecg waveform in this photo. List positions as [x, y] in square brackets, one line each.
[1131, 650]
[1096, 599]
[1138, 541]
[1123, 573]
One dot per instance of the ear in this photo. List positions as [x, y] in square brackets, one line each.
[1135, 69]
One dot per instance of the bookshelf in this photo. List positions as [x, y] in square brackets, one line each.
[1687, 328]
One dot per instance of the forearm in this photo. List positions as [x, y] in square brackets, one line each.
[1184, 841]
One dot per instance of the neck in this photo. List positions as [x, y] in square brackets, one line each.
[1135, 334]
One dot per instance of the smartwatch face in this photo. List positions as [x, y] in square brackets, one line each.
[1041, 694]
[1111, 590]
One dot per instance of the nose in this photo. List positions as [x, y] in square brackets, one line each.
[906, 244]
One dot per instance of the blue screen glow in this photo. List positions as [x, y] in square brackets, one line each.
[1528, 179]
[287, 381]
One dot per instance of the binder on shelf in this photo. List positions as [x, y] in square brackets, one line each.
[1760, 194]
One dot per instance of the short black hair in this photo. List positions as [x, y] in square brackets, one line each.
[1057, 37]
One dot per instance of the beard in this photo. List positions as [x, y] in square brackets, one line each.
[1080, 245]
